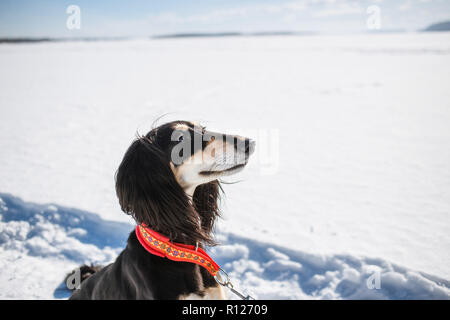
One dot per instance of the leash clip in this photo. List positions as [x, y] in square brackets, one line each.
[224, 280]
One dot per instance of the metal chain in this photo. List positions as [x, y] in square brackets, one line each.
[227, 283]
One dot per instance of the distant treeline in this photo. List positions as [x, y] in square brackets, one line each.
[27, 40]
[441, 26]
[232, 34]
[164, 36]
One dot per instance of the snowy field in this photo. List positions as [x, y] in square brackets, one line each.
[356, 184]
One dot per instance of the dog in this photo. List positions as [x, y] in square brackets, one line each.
[168, 182]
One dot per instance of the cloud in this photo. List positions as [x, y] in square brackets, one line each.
[340, 9]
[228, 14]
[287, 10]
[211, 16]
[405, 6]
[316, 15]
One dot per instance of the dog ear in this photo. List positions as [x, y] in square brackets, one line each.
[206, 197]
[147, 190]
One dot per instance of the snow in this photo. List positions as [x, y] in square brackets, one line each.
[357, 182]
[40, 244]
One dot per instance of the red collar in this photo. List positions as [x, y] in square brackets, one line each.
[159, 245]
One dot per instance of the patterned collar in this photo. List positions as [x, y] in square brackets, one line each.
[161, 246]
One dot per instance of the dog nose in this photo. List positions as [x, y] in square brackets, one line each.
[249, 146]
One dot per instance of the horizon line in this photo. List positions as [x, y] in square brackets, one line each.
[185, 35]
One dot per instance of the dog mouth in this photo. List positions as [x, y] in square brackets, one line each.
[242, 161]
[225, 171]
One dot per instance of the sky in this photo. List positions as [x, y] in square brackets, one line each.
[140, 18]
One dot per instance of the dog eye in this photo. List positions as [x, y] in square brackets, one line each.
[181, 138]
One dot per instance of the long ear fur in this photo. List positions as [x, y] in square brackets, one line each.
[205, 198]
[147, 190]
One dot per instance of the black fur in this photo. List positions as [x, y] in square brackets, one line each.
[136, 274]
[148, 190]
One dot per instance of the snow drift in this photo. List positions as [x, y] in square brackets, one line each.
[40, 243]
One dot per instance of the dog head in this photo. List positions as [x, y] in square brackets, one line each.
[168, 179]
